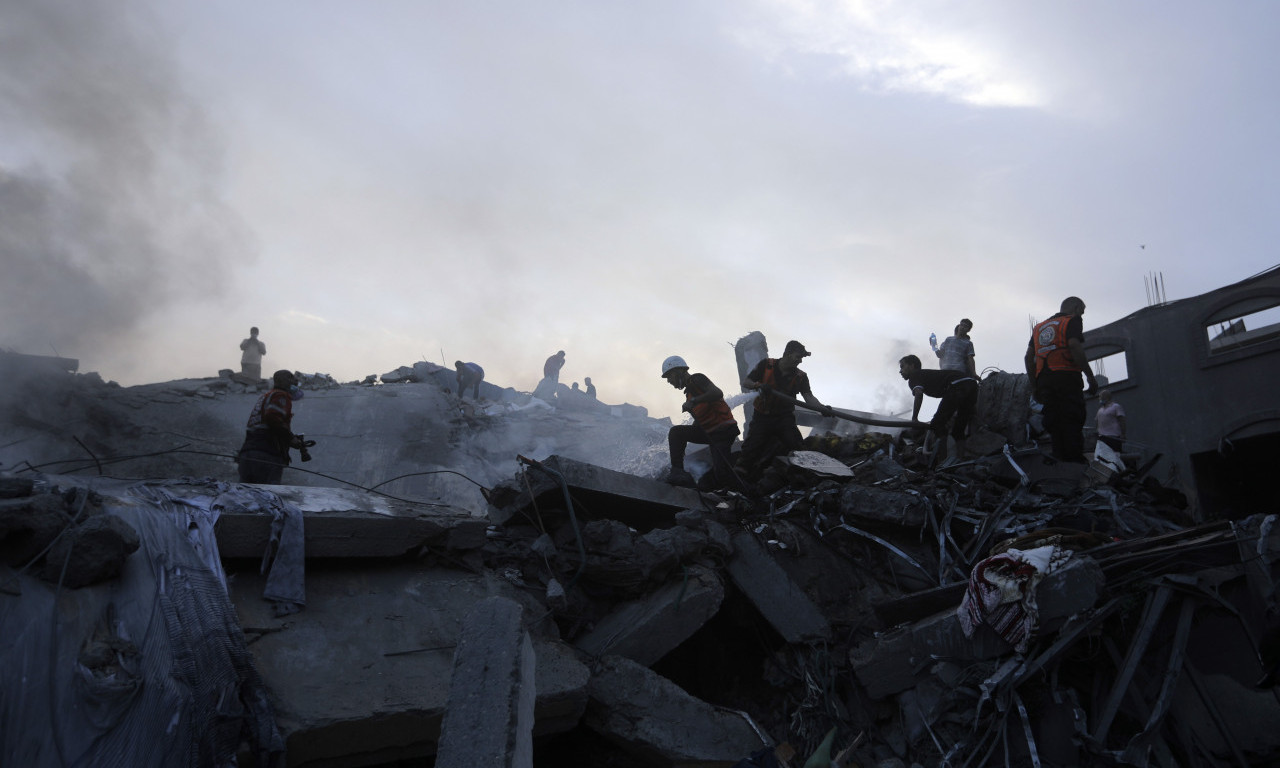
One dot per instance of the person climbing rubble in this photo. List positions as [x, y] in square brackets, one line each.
[772, 430]
[269, 433]
[551, 368]
[959, 394]
[956, 352]
[251, 352]
[713, 424]
[1054, 360]
[468, 375]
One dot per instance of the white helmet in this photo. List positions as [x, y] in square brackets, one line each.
[675, 361]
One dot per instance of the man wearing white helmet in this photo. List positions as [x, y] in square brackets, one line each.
[713, 424]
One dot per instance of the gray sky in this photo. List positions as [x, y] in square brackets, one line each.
[375, 183]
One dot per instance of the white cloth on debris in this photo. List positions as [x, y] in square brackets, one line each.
[1002, 592]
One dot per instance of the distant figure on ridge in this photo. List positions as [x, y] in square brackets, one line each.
[591, 388]
[551, 368]
[468, 375]
[252, 350]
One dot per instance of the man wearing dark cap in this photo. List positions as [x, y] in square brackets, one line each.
[269, 434]
[772, 430]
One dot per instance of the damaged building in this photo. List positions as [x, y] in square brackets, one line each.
[512, 583]
[1202, 358]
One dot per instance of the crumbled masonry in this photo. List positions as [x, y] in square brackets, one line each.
[524, 560]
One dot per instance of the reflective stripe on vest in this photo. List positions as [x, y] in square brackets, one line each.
[1052, 352]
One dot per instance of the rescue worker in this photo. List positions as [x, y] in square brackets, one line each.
[1054, 360]
[959, 394]
[269, 434]
[468, 375]
[713, 424]
[772, 430]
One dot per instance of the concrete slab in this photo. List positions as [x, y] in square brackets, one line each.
[779, 599]
[347, 523]
[489, 716]
[647, 714]
[637, 501]
[646, 629]
[362, 676]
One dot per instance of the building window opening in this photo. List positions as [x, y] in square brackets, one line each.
[1113, 368]
[1244, 330]
[1237, 480]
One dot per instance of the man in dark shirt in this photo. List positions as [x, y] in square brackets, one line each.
[468, 375]
[551, 368]
[772, 430]
[1055, 359]
[959, 393]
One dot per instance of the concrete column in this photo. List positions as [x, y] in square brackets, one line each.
[489, 717]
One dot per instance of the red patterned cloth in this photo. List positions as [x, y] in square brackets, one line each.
[1002, 593]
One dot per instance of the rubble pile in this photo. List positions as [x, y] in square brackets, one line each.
[517, 559]
[1114, 630]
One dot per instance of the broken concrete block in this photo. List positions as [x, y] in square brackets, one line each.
[362, 676]
[347, 523]
[870, 503]
[783, 604]
[489, 717]
[639, 502]
[646, 629]
[650, 715]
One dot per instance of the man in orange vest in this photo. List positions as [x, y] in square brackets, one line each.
[269, 434]
[773, 429]
[713, 424]
[1055, 359]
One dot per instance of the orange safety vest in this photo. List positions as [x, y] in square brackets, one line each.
[710, 416]
[1050, 339]
[768, 404]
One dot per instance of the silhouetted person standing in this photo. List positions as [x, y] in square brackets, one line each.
[252, 350]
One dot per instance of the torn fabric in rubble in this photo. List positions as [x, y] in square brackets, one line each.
[1002, 592]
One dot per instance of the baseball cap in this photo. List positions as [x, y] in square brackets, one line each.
[795, 346]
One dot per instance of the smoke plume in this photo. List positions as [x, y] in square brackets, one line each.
[109, 206]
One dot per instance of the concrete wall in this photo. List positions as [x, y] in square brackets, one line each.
[1183, 398]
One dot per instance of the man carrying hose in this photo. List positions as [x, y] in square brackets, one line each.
[772, 430]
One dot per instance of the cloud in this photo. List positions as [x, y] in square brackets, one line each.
[890, 47]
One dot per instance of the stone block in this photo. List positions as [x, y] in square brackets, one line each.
[489, 716]
[646, 629]
[649, 715]
[779, 599]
